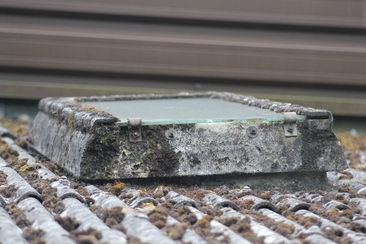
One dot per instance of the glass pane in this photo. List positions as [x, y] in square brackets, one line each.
[184, 111]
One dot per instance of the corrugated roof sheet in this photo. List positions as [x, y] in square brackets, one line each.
[40, 205]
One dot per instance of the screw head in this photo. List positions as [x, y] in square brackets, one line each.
[171, 133]
[135, 134]
[252, 131]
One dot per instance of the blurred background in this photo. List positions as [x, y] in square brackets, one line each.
[311, 53]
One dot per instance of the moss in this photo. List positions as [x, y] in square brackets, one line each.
[89, 234]
[183, 214]
[24, 168]
[18, 164]
[135, 240]
[352, 143]
[82, 191]
[284, 229]
[88, 108]
[229, 221]
[202, 226]
[245, 204]
[111, 217]
[211, 211]
[70, 120]
[265, 195]
[345, 240]
[222, 190]
[357, 227]
[344, 188]
[6, 152]
[345, 175]
[54, 205]
[17, 215]
[8, 191]
[204, 222]
[348, 213]
[336, 234]
[118, 187]
[159, 216]
[317, 210]
[51, 166]
[3, 178]
[142, 193]
[33, 236]
[18, 127]
[175, 231]
[113, 224]
[238, 195]
[68, 223]
[115, 213]
[98, 211]
[86, 239]
[103, 154]
[158, 194]
[243, 228]
[282, 207]
[23, 143]
[305, 221]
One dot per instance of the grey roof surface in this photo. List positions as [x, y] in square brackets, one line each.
[40, 205]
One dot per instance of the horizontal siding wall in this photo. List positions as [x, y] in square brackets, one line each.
[270, 49]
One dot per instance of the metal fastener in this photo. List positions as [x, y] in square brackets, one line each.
[252, 131]
[171, 133]
[135, 134]
[134, 129]
[289, 124]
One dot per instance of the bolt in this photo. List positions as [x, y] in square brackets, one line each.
[253, 131]
[170, 133]
[290, 129]
[135, 134]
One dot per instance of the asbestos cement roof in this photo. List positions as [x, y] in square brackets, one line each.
[41, 205]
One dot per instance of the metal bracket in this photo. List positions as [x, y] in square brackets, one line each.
[134, 129]
[289, 125]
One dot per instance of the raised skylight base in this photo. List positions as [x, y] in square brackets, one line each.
[127, 137]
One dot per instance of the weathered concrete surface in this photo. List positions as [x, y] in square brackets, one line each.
[63, 130]
[89, 144]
